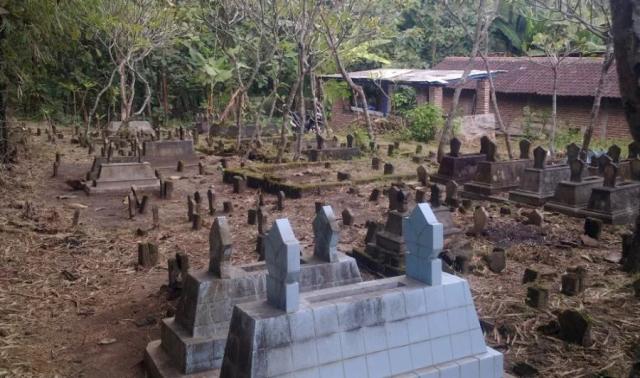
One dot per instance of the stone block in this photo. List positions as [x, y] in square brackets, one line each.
[494, 177]
[119, 177]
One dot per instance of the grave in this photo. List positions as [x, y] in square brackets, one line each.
[99, 160]
[385, 254]
[422, 324]
[614, 202]
[539, 183]
[494, 177]
[572, 196]
[442, 213]
[458, 167]
[194, 340]
[166, 154]
[296, 179]
[119, 177]
[333, 153]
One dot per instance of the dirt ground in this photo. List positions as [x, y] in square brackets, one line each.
[73, 303]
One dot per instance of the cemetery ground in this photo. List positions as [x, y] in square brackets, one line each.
[74, 303]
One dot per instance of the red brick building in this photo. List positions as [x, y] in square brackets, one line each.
[527, 84]
[524, 90]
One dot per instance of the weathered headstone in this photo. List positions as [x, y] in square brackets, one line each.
[282, 255]
[280, 200]
[349, 141]
[220, 248]
[421, 195]
[614, 153]
[610, 173]
[147, 255]
[326, 234]
[593, 228]
[423, 176]
[537, 297]
[347, 217]
[390, 150]
[525, 147]
[375, 194]
[451, 197]
[211, 198]
[239, 184]
[191, 207]
[573, 152]
[375, 163]
[436, 196]
[454, 147]
[388, 169]
[480, 220]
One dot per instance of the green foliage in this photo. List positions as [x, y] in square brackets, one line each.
[424, 122]
[360, 136]
[403, 99]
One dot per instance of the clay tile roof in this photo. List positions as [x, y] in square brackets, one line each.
[577, 76]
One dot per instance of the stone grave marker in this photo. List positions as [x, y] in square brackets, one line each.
[282, 254]
[454, 147]
[347, 217]
[375, 163]
[634, 150]
[573, 152]
[211, 199]
[436, 196]
[613, 202]
[423, 176]
[494, 177]
[388, 169]
[280, 200]
[220, 248]
[421, 195]
[525, 147]
[456, 166]
[614, 153]
[326, 234]
[349, 141]
[572, 196]
[539, 183]
[451, 194]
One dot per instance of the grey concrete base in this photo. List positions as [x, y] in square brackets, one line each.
[159, 365]
[119, 177]
[194, 340]
[539, 185]
[460, 169]
[571, 198]
[496, 177]
[395, 327]
[617, 205]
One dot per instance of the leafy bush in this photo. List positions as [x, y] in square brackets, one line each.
[424, 122]
[403, 100]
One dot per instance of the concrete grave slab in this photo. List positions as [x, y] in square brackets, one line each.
[119, 177]
[539, 183]
[165, 154]
[457, 167]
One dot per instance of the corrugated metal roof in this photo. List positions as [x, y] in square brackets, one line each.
[403, 75]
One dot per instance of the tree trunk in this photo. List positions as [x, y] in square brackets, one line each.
[554, 112]
[597, 99]
[165, 95]
[124, 103]
[448, 126]
[4, 133]
[354, 87]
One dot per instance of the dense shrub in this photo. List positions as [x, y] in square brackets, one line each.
[424, 122]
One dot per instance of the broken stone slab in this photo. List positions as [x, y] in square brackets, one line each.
[119, 177]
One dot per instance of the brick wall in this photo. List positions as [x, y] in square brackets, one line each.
[573, 112]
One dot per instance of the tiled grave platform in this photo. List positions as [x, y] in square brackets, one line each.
[422, 324]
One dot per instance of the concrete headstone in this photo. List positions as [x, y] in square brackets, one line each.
[326, 234]
[282, 255]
